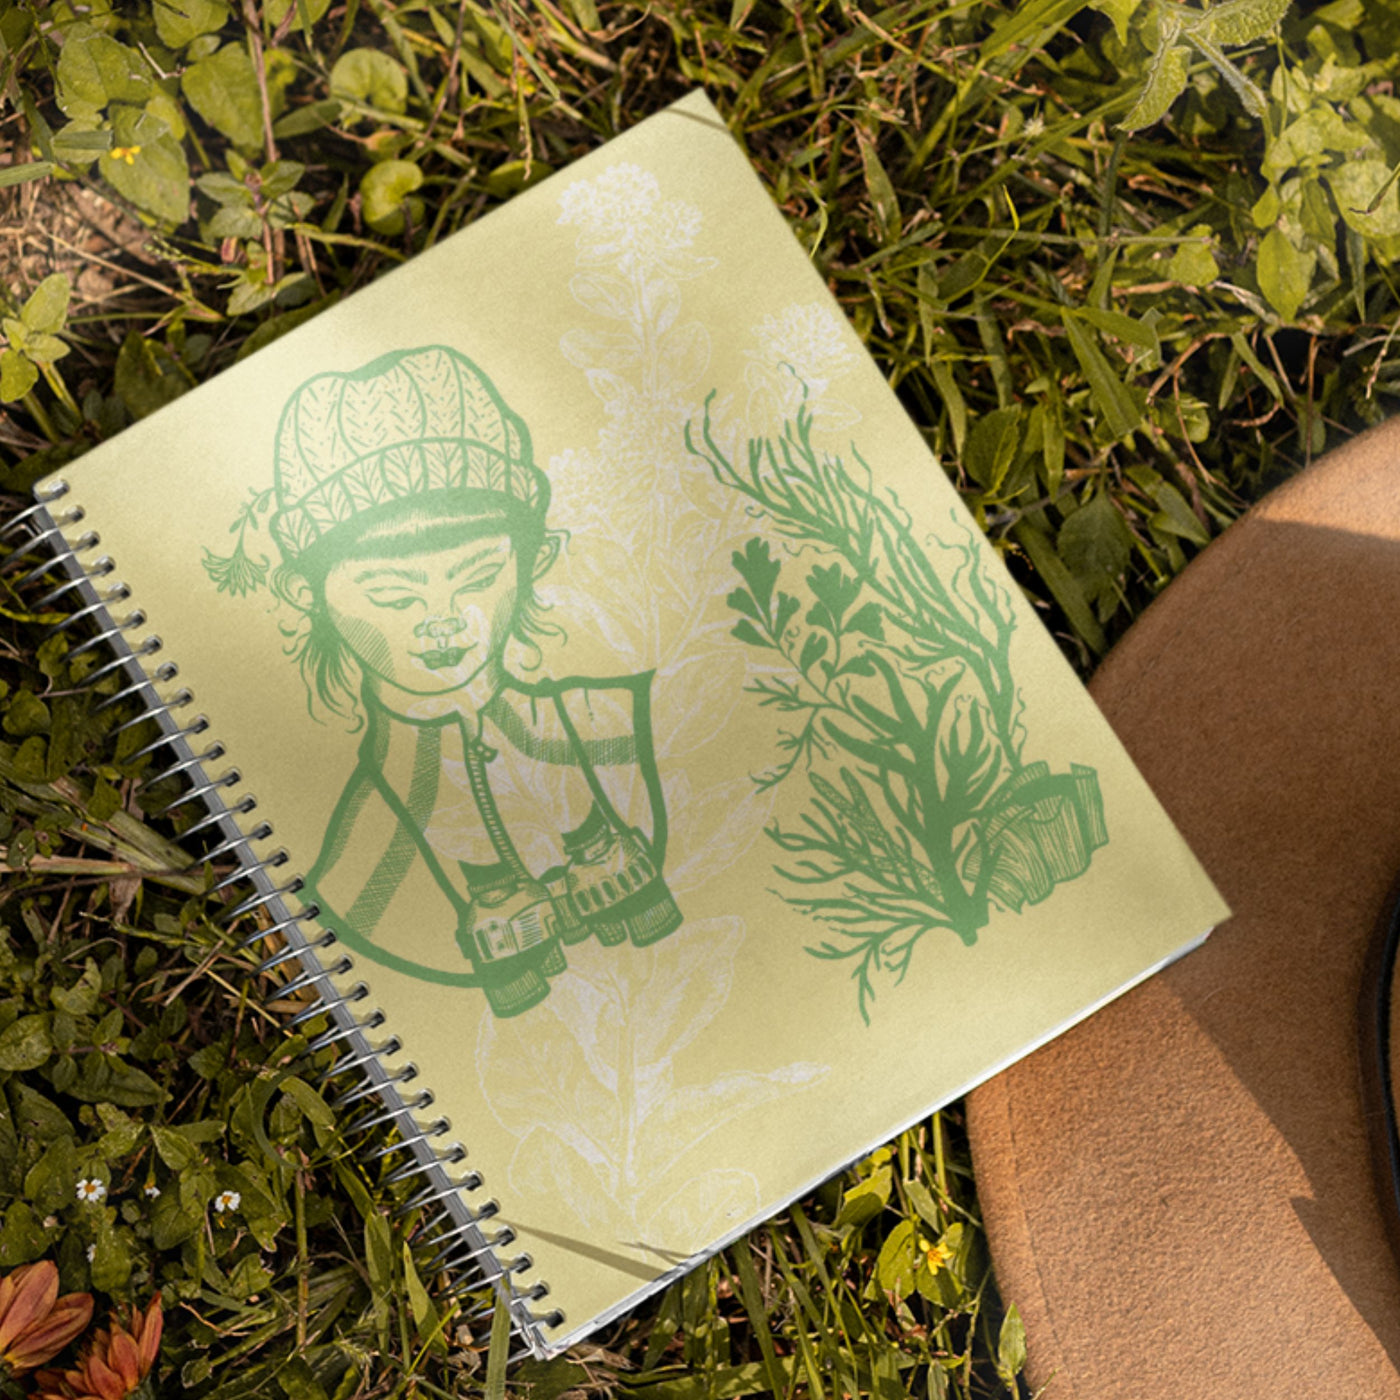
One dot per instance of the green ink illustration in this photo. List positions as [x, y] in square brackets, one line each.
[411, 522]
[923, 809]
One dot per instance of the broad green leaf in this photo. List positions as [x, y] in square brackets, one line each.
[81, 999]
[108, 1079]
[1118, 408]
[52, 1181]
[1315, 212]
[173, 1221]
[95, 69]
[111, 1258]
[1011, 1345]
[1193, 264]
[1095, 544]
[921, 1198]
[1115, 323]
[17, 376]
[223, 89]
[175, 1150]
[25, 171]
[1285, 273]
[179, 21]
[226, 189]
[1177, 516]
[22, 1236]
[248, 1277]
[275, 11]
[866, 1199]
[122, 1133]
[281, 70]
[898, 1261]
[383, 191]
[1367, 195]
[253, 290]
[371, 77]
[279, 177]
[1266, 209]
[148, 376]
[45, 349]
[26, 1044]
[147, 165]
[163, 107]
[232, 223]
[1063, 586]
[1120, 12]
[80, 142]
[1166, 81]
[992, 446]
[312, 117]
[37, 1116]
[279, 325]
[1243, 21]
[1320, 133]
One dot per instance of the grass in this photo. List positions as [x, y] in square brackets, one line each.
[1113, 341]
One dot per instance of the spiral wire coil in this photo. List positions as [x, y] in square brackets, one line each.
[454, 1236]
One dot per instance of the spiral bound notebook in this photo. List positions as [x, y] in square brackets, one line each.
[640, 759]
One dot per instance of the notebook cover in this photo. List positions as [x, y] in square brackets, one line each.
[688, 780]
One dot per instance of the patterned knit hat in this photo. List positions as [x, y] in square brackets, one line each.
[408, 423]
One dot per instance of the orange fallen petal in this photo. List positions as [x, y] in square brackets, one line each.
[36, 1290]
[152, 1325]
[101, 1380]
[124, 1358]
[41, 1343]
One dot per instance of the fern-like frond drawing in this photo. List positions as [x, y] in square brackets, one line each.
[923, 811]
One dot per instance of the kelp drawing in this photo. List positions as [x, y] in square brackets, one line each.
[906, 717]
[518, 817]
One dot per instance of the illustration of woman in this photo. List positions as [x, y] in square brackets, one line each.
[490, 819]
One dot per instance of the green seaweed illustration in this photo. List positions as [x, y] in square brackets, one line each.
[904, 715]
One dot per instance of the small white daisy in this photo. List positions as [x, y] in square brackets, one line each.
[91, 1253]
[91, 1190]
[227, 1200]
[151, 1190]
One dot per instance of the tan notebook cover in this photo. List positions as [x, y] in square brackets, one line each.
[686, 778]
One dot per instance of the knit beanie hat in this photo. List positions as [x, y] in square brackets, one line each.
[408, 423]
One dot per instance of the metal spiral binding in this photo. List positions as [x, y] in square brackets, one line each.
[453, 1235]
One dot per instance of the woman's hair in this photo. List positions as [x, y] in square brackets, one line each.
[399, 530]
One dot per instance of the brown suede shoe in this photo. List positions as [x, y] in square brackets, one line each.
[1179, 1192]
[1380, 1039]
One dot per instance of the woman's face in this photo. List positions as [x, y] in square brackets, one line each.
[427, 623]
